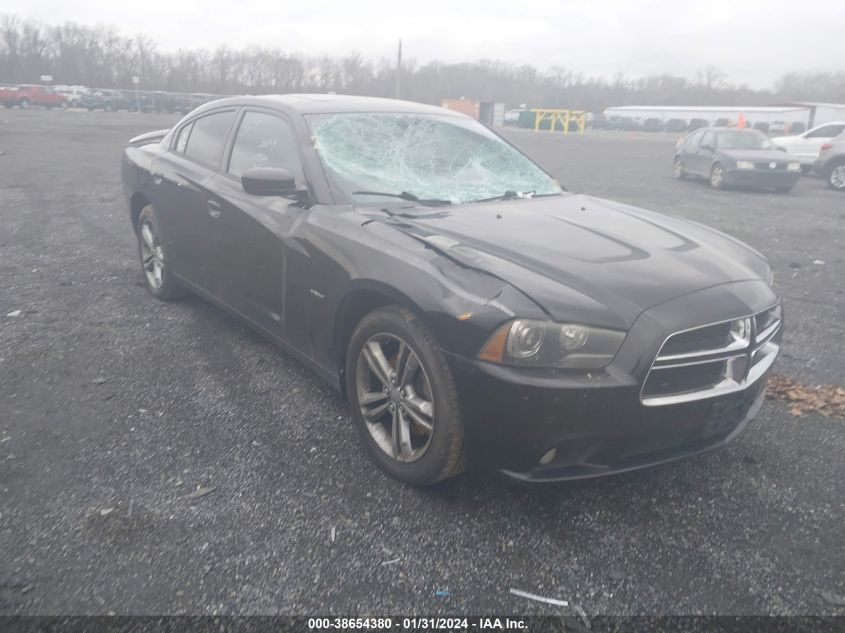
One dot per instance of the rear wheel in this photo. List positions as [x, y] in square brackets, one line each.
[678, 169]
[836, 177]
[154, 259]
[403, 398]
[717, 176]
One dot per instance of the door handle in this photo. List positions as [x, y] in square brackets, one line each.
[213, 209]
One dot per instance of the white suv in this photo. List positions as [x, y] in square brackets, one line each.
[806, 147]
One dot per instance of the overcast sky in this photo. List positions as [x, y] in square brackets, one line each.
[753, 41]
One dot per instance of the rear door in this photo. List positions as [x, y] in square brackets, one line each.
[810, 144]
[257, 245]
[181, 197]
[688, 150]
[702, 157]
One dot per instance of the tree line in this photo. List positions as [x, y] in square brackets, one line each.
[101, 56]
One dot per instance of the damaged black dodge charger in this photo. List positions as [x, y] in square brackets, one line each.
[471, 310]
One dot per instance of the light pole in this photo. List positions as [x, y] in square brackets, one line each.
[136, 80]
[399, 70]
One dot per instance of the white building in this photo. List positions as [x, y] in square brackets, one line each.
[820, 113]
[791, 113]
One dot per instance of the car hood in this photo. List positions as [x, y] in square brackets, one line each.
[586, 259]
[754, 154]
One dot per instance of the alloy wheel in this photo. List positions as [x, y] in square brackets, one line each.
[837, 177]
[395, 397]
[152, 255]
[717, 177]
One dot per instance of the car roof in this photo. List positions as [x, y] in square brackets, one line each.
[327, 103]
[732, 129]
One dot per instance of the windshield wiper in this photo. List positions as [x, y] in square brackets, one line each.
[406, 195]
[514, 195]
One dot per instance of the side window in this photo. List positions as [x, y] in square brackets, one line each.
[708, 139]
[827, 131]
[694, 139]
[265, 140]
[182, 139]
[208, 138]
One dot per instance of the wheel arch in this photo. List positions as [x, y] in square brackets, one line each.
[364, 297]
[136, 204]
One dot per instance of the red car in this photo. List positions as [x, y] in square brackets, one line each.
[26, 96]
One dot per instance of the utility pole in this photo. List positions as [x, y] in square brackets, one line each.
[399, 70]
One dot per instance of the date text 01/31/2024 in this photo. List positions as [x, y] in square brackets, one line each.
[416, 623]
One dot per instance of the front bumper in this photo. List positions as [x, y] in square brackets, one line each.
[773, 179]
[545, 425]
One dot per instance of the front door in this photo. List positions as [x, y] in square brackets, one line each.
[257, 233]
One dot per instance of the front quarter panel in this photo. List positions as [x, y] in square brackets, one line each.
[350, 253]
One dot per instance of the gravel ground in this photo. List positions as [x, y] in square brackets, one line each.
[115, 408]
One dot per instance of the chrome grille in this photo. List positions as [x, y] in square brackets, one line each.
[714, 359]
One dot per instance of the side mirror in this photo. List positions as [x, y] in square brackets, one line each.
[707, 147]
[270, 181]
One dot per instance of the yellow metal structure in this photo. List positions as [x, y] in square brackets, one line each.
[554, 115]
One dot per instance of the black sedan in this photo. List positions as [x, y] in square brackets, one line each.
[735, 157]
[469, 309]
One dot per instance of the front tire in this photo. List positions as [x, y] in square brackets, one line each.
[678, 169]
[403, 398]
[158, 278]
[717, 176]
[836, 177]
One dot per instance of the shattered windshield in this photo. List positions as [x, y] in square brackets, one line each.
[423, 157]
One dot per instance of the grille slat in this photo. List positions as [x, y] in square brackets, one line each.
[713, 359]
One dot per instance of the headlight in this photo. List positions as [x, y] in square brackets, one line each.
[744, 164]
[528, 343]
[794, 166]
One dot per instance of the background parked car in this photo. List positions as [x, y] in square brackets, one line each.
[628, 124]
[109, 100]
[7, 95]
[731, 156]
[676, 125]
[805, 147]
[830, 164]
[653, 125]
[598, 121]
[697, 124]
[761, 126]
[72, 94]
[157, 101]
[778, 128]
[26, 96]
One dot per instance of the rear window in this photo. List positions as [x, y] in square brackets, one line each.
[208, 138]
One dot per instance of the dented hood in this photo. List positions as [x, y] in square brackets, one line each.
[585, 259]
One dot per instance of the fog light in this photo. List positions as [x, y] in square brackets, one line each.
[548, 457]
